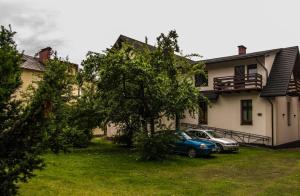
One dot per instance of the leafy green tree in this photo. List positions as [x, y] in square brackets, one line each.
[182, 94]
[137, 85]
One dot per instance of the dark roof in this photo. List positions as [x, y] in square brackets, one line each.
[135, 43]
[280, 74]
[238, 57]
[32, 63]
[140, 45]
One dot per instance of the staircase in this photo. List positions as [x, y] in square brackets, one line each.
[241, 137]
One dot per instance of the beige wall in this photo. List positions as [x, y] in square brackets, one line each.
[190, 118]
[226, 113]
[112, 129]
[28, 77]
[285, 133]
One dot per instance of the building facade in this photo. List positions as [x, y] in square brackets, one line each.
[255, 93]
[32, 69]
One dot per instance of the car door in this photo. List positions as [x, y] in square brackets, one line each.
[180, 146]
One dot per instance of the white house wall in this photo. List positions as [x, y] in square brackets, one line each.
[285, 133]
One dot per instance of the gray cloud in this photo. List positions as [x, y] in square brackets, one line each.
[35, 28]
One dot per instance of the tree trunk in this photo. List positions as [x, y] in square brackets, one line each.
[152, 126]
[177, 122]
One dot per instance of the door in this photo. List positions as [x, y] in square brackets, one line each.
[202, 113]
[239, 77]
[180, 146]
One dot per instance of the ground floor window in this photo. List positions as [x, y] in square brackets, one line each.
[246, 112]
[202, 113]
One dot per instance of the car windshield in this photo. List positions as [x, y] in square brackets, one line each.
[214, 134]
[186, 136]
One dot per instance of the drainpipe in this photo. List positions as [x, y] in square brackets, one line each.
[267, 72]
[272, 119]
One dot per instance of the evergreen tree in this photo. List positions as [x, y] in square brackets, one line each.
[18, 155]
[40, 124]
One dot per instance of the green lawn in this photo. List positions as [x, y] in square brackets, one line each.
[106, 169]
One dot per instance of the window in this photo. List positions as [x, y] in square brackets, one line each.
[202, 117]
[201, 134]
[252, 69]
[246, 112]
[201, 80]
[289, 113]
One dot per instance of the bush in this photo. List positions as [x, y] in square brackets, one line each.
[155, 146]
[124, 136]
[76, 137]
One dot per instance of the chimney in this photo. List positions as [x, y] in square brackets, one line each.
[44, 54]
[242, 49]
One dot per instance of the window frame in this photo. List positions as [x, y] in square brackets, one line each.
[251, 66]
[248, 108]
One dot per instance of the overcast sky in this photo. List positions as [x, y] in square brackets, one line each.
[212, 28]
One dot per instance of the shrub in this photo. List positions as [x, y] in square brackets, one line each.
[123, 138]
[155, 146]
[125, 134]
[76, 137]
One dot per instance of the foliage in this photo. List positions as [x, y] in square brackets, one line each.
[181, 93]
[76, 137]
[29, 129]
[138, 86]
[18, 145]
[51, 103]
[154, 146]
[126, 132]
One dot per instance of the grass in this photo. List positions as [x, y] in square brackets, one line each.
[106, 169]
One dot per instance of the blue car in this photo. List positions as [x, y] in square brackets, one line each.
[193, 147]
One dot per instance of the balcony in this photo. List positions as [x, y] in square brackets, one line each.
[246, 82]
[294, 87]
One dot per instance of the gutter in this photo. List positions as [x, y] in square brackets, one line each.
[272, 119]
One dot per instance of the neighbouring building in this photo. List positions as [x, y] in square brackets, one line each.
[255, 94]
[33, 67]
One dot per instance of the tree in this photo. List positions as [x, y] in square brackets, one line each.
[182, 95]
[51, 103]
[137, 85]
[27, 130]
[18, 157]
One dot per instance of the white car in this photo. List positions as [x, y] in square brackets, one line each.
[224, 144]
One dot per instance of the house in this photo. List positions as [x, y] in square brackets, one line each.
[254, 93]
[251, 94]
[32, 69]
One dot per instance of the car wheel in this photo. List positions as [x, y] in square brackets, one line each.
[192, 153]
[220, 148]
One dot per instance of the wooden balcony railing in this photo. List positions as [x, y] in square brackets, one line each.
[238, 83]
[294, 87]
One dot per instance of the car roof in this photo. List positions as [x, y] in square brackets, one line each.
[191, 129]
